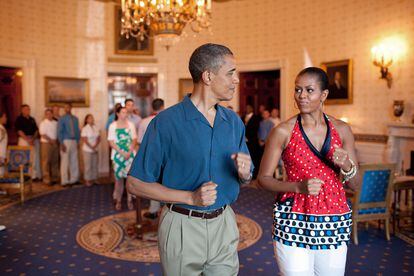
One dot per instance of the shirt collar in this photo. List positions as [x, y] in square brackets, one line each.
[220, 110]
[191, 112]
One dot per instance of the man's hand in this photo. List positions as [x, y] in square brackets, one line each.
[63, 147]
[243, 164]
[205, 195]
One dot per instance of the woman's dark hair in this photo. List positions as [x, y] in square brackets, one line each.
[317, 72]
[117, 110]
[86, 119]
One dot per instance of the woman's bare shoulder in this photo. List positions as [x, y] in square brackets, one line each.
[284, 129]
[342, 127]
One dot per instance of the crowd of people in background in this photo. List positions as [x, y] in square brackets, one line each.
[258, 127]
[57, 139]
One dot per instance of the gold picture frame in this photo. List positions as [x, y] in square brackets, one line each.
[185, 86]
[340, 81]
[131, 45]
[62, 90]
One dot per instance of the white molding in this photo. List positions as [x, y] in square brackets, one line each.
[263, 65]
[28, 66]
[400, 144]
[149, 68]
[368, 152]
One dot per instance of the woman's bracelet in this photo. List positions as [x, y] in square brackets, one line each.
[346, 176]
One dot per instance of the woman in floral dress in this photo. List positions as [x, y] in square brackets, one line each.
[122, 138]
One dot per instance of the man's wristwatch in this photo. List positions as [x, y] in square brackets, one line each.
[243, 181]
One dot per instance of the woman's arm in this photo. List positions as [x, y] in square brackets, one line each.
[133, 145]
[348, 145]
[98, 140]
[118, 149]
[275, 144]
[85, 141]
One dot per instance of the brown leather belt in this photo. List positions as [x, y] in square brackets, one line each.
[193, 213]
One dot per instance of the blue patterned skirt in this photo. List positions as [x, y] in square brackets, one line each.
[310, 231]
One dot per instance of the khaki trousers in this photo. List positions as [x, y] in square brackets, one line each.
[90, 165]
[69, 163]
[50, 162]
[193, 246]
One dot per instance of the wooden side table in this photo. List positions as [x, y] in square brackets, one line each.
[141, 225]
[402, 184]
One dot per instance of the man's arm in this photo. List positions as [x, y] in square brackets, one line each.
[19, 126]
[204, 196]
[60, 130]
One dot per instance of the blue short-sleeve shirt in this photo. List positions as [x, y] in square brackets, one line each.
[182, 151]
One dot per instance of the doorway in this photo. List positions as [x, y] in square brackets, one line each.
[142, 88]
[259, 88]
[11, 98]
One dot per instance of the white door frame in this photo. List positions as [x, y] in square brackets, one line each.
[268, 65]
[28, 80]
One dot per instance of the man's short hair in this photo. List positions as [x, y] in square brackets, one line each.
[68, 104]
[157, 104]
[128, 100]
[24, 105]
[207, 57]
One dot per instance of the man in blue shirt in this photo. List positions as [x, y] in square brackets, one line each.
[266, 125]
[194, 157]
[68, 136]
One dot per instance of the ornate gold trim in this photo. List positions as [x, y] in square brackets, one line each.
[74, 104]
[117, 28]
[348, 62]
[131, 60]
[372, 138]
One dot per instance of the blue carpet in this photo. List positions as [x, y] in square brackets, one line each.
[41, 239]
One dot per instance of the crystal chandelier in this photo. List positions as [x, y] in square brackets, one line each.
[163, 18]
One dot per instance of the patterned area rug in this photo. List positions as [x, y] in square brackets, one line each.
[40, 239]
[108, 236]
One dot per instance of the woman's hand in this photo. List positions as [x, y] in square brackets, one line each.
[311, 186]
[340, 158]
[125, 154]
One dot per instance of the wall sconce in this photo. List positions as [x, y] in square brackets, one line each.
[385, 54]
[382, 58]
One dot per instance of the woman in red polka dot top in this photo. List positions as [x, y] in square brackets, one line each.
[312, 220]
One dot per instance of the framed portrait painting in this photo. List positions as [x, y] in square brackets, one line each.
[185, 86]
[59, 91]
[131, 45]
[340, 81]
